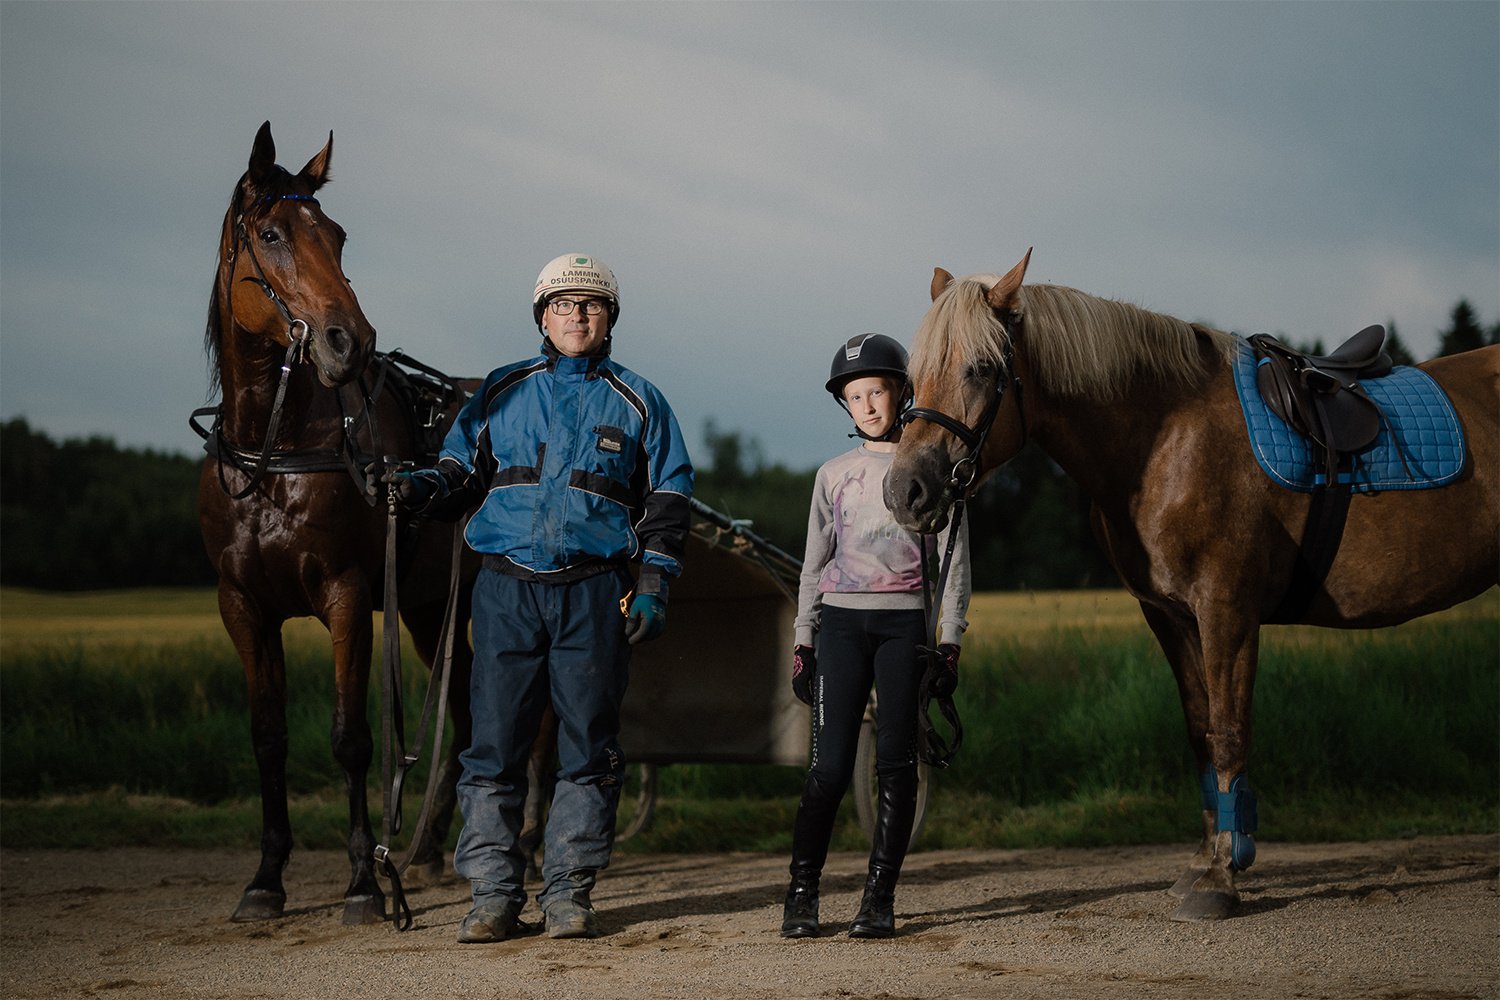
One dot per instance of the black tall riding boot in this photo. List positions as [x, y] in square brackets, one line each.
[893, 821]
[810, 834]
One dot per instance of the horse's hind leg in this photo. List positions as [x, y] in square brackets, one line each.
[259, 645]
[1179, 641]
[349, 624]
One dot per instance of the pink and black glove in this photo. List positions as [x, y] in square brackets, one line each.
[804, 669]
[943, 680]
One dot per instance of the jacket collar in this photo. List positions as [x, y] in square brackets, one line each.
[588, 364]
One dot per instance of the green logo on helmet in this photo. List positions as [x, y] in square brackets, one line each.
[581, 260]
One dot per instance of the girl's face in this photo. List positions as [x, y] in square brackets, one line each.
[872, 403]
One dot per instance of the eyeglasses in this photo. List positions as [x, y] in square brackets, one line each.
[564, 307]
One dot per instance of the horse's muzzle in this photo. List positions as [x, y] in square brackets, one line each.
[340, 355]
[915, 495]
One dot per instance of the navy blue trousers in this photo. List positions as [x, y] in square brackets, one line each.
[534, 642]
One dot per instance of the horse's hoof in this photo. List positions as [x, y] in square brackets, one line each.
[259, 904]
[364, 910]
[1184, 885]
[1206, 905]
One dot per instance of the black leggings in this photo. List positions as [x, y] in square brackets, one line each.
[856, 647]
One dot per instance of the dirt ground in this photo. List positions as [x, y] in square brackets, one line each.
[1392, 919]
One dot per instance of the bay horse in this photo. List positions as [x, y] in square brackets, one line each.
[306, 403]
[1141, 411]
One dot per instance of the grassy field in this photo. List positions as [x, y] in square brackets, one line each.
[122, 720]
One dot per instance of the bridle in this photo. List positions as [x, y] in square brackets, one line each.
[299, 335]
[937, 751]
[966, 470]
[298, 348]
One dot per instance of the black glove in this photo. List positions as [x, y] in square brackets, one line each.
[412, 490]
[804, 669]
[943, 679]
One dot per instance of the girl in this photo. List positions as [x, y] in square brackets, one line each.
[862, 593]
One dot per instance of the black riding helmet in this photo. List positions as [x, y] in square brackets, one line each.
[864, 355]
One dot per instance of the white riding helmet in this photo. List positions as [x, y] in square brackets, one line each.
[576, 272]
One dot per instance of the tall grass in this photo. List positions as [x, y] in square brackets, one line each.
[1073, 735]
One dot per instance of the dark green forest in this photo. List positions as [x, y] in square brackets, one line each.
[85, 514]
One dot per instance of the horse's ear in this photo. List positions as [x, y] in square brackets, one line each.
[262, 155]
[940, 280]
[316, 171]
[1002, 295]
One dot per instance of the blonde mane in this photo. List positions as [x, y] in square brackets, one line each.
[1078, 344]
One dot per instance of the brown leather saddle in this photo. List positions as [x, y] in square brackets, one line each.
[1321, 398]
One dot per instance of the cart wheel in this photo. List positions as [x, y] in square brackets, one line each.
[637, 800]
[866, 785]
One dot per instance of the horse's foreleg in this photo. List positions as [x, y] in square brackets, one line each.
[259, 646]
[1230, 649]
[1179, 641]
[349, 625]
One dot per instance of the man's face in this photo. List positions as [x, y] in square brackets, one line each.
[577, 333]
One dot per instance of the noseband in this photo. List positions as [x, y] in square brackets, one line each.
[966, 469]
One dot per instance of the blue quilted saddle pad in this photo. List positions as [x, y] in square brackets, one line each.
[1420, 427]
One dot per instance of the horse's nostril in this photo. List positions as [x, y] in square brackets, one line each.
[339, 341]
[913, 494]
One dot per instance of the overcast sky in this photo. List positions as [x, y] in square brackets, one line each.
[765, 179]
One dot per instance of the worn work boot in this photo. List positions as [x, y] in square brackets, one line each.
[571, 916]
[877, 916]
[799, 918]
[488, 922]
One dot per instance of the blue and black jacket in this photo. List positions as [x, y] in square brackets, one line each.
[580, 465]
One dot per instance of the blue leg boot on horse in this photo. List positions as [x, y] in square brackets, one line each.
[1236, 816]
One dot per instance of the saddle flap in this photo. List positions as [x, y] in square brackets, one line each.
[1350, 419]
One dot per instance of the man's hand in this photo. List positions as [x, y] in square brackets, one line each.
[646, 619]
[412, 490]
[944, 679]
[804, 669]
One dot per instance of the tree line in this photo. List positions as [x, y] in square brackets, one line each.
[85, 514]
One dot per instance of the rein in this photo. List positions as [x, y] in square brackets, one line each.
[936, 751]
[395, 759]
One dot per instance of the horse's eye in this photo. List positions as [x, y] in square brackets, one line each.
[981, 371]
[269, 236]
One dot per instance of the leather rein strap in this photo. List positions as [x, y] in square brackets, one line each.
[936, 751]
[395, 759]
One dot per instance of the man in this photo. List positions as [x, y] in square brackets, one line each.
[579, 468]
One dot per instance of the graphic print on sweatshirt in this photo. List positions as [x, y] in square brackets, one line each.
[872, 553]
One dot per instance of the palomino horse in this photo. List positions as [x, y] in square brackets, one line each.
[283, 506]
[1140, 409]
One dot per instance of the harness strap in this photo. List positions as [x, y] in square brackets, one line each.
[265, 453]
